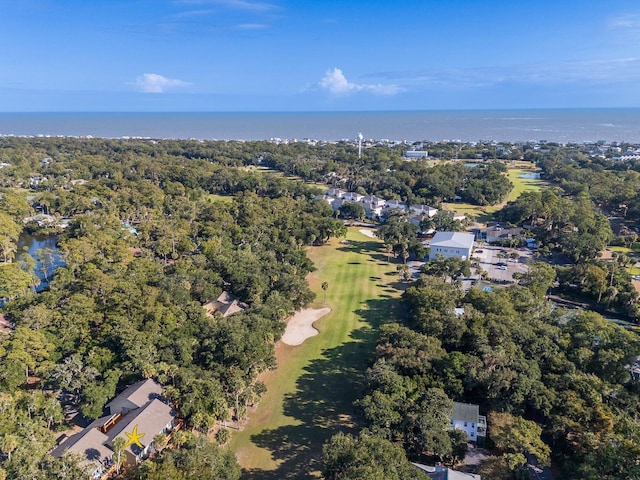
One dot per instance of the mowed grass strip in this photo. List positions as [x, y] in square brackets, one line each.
[522, 184]
[310, 395]
[485, 213]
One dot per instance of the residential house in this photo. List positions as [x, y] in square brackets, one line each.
[634, 369]
[396, 205]
[331, 200]
[373, 206]
[461, 217]
[497, 233]
[451, 244]
[134, 397]
[466, 417]
[335, 192]
[137, 415]
[352, 197]
[225, 304]
[373, 200]
[440, 472]
[531, 243]
[424, 210]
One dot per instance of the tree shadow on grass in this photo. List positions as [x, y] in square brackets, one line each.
[372, 249]
[323, 401]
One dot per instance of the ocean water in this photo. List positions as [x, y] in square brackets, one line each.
[556, 125]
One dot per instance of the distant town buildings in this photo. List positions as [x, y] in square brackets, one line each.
[376, 207]
[415, 154]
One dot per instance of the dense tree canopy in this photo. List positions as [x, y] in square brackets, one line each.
[549, 379]
[146, 246]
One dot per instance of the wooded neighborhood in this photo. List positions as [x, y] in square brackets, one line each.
[178, 263]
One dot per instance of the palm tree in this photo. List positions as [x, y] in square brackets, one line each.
[325, 287]
[160, 441]
[118, 448]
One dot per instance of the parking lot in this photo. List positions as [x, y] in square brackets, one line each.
[500, 264]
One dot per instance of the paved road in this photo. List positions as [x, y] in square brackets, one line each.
[536, 472]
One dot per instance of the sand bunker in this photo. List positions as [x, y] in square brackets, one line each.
[300, 326]
[368, 233]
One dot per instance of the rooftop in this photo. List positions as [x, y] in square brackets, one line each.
[453, 239]
[465, 412]
[148, 422]
[139, 393]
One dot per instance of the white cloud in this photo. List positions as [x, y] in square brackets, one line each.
[626, 21]
[247, 5]
[155, 83]
[250, 26]
[336, 83]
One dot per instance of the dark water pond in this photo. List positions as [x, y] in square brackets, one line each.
[44, 249]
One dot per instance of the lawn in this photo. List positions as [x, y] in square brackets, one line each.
[520, 185]
[213, 197]
[310, 394]
[278, 173]
[632, 269]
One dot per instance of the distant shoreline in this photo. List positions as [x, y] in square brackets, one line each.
[512, 125]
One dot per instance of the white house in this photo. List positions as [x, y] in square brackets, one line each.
[335, 192]
[424, 210]
[372, 210]
[466, 417]
[451, 244]
[327, 198]
[352, 197]
[373, 201]
[396, 205]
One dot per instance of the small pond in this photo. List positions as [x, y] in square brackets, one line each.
[530, 176]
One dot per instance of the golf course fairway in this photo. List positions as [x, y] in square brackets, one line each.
[310, 395]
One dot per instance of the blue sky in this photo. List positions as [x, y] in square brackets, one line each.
[296, 55]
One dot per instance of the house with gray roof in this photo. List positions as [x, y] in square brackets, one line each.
[225, 304]
[137, 415]
[466, 417]
[135, 396]
[154, 418]
[451, 244]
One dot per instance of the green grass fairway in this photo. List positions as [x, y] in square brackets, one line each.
[310, 394]
[484, 214]
[522, 184]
